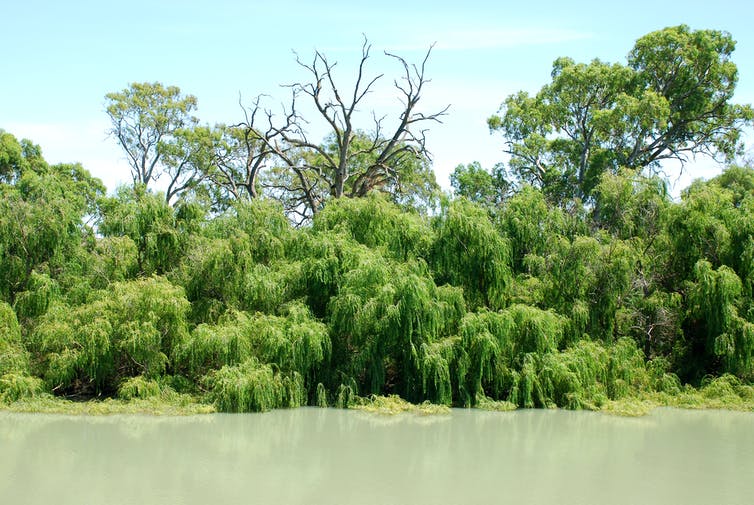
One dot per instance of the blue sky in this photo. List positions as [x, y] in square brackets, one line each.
[61, 58]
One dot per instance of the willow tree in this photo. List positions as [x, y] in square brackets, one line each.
[42, 211]
[469, 252]
[720, 339]
[378, 224]
[157, 229]
[701, 227]
[128, 330]
[259, 362]
[592, 282]
[671, 101]
[496, 348]
[292, 347]
[531, 225]
[13, 356]
[737, 186]
[253, 387]
[239, 261]
[382, 315]
[353, 160]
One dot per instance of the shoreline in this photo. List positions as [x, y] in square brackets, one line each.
[186, 405]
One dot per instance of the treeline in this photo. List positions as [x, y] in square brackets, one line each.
[536, 306]
[585, 285]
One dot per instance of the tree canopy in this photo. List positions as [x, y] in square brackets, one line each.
[670, 101]
[579, 284]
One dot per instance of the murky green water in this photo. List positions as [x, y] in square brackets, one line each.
[316, 456]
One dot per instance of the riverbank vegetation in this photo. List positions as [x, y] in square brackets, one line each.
[275, 272]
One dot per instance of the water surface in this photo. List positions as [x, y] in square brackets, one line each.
[328, 456]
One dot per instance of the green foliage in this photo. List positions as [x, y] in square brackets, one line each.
[15, 386]
[128, 330]
[584, 376]
[152, 123]
[12, 159]
[239, 262]
[375, 223]
[13, 356]
[701, 228]
[488, 189]
[252, 387]
[590, 280]
[436, 360]
[40, 293]
[139, 387]
[345, 397]
[115, 259]
[221, 274]
[581, 285]
[468, 252]
[325, 257]
[211, 347]
[150, 223]
[671, 100]
[531, 225]
[320, 396]
[627, 372]
[496, 351]
[727, 339]
[41, 221]
[394, 404]
[380, 318]
[629, 205]
[263, 222]
[295, 341]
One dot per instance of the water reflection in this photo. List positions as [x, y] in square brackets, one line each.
[331, 456]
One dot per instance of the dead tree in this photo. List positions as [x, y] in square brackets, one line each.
[243, 150]
[352, 161]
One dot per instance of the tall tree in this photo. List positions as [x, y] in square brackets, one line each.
[153, 124]
[670, 102]
[486, 188]
[352, 161]
[243, 150]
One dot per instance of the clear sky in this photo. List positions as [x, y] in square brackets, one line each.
[60, 58]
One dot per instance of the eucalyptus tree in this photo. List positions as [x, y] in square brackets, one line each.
[154, 126]
[487, 188]
[16, 157]
[353, 160]
[670, 102]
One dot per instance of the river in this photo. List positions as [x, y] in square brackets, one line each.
[329, 456]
